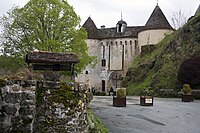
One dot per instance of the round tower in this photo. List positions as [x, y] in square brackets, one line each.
[155, 30]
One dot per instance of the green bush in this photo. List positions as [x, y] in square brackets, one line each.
[186, 89]
[147, 92]
[189, 71]
[121, 92]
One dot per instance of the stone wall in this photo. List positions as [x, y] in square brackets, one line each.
[60, 108]
[153, 36]
[45, 106]
[117, 53]
[17, 106]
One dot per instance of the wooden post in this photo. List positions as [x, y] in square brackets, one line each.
[73, 74]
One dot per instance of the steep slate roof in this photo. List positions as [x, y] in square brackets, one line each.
[158, 20]
[91, 28]
[106, 33]
[198, 10]
[112, 32]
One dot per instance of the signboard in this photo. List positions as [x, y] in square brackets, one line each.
[148, 100]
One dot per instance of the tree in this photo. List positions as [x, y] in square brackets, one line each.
[45, 25]
[178, 19]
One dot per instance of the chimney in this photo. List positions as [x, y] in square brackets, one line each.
[103, 27]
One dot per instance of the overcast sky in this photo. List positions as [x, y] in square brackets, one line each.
[108, 12]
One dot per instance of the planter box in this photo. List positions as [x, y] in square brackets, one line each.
[119, 102]
[146, 100]
[187, 98]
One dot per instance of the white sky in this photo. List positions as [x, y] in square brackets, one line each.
[108, 12]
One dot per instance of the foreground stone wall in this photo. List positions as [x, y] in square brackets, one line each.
[17, 106]
[60, 108]
[30, 106]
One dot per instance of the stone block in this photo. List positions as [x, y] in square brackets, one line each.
[1, 102]
[27, 102]
[27, 83]
[26, 110]
[27, 119]
[51, 84]
[2, 116]
[4, 127]
[27, 96]
[10, 110]
[15, 120]
[15, 88]
[12, 98]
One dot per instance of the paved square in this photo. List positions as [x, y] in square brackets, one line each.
[168, 115]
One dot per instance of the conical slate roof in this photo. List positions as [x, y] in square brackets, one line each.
[198, 10]
[91, 28]
[158, 20]
[121, 22]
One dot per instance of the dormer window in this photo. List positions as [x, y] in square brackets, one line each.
[121, 26]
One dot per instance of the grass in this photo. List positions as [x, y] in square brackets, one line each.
[158, 69]
[95, 124]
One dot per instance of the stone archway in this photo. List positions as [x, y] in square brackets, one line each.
[115, 79]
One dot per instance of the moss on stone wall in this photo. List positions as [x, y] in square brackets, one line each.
[39, 95]
[2, 82]
[65, 95]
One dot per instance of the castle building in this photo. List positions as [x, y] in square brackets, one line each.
[115, 48]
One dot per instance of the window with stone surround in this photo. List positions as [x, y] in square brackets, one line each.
[103, 62]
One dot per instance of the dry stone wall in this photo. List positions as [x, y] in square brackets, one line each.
[17, 106]
[42, 107]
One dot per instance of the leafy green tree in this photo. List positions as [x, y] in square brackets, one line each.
[9, 65]
[45, 25]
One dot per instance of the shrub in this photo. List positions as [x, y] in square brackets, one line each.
[186, 89]
[147, 92]
[121, 92]
[189, 71]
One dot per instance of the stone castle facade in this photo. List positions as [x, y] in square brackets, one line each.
[116, 47]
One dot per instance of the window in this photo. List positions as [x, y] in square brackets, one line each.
[131, 47]
[136, 47]
[120, 28]
[103, 52]
[86, 72]
[103, 85]
[103, 62]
